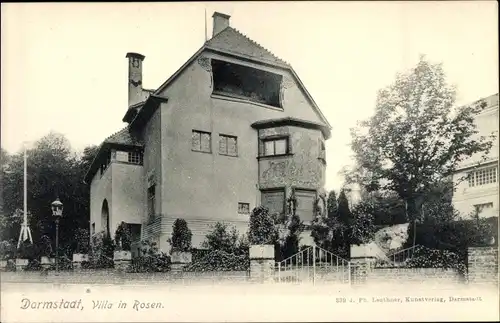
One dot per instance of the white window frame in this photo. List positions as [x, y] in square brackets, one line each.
[483, 176]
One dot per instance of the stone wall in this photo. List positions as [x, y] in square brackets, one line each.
[414, 275]
[483, 265]
[363, 271]
[114, 277]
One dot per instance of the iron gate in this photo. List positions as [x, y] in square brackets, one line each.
[312, 265]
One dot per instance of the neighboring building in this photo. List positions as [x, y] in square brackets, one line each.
[233, 128]
[478, 184]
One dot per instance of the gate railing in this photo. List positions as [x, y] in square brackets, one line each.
[307, 263]
[402, 255]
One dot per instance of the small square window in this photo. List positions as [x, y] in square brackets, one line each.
[244, 208]
[135, 157]
[201, 141]
[228, 145]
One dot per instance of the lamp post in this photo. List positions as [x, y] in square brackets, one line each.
[57, 210]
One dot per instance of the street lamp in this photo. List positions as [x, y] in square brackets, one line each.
[57, 211]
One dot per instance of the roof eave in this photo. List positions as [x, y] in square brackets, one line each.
[133, 108]
[290, 121]
[105, 146]
[147, 111]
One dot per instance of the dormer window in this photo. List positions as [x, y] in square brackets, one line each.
[246, 83]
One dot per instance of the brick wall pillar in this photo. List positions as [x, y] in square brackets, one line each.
[262, 263]
[179, 260]
[360, 269]
[122, 260]
[482, 265]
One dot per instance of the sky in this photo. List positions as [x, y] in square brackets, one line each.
[64, 67]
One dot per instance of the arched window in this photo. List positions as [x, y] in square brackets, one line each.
[105, 217]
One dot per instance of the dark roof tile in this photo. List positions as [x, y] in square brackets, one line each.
[232, 40]
[123, 137]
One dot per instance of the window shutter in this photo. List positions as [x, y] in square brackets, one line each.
[222, 145]
[231, 146]
[196, 144]
[205, 142]
[274, 201]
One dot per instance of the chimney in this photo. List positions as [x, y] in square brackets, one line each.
[221, 22]
[134, 78]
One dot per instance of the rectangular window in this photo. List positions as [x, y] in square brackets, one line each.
[121, 156]
[483, 176]
[273, 147]
[151, 202]
[93, 228]
[484, 210]
[244, 208]
[135, 157]
[274, 200]
[228, 145]
[201, 141]
[305, 204]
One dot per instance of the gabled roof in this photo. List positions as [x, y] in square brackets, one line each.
[123, 137]
[231, 40]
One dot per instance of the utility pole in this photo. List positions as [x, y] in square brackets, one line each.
[25, 233]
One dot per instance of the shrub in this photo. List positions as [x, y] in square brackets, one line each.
[45, 246]
[150, 259]
[181, 236]
[101, 252]
[221, 237]
[33, 265]
[432, 258]
[289, 237]
[7, 249]
[26, 251]
[218, 260]
[123, 237]
[11, 265]
[262, 229]
[82, 241]
[63, 263]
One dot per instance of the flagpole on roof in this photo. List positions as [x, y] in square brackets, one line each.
[206, 38]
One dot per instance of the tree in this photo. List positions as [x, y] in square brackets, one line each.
[81, 241]
[332, 204]
[181, 236]
[54, 170]
[415, 138]
[262, 227]
[363, 228]
[333, 231]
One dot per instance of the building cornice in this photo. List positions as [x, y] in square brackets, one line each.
[290, 121]
[470, 166]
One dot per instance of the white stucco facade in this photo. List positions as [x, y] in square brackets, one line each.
[477, 182]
